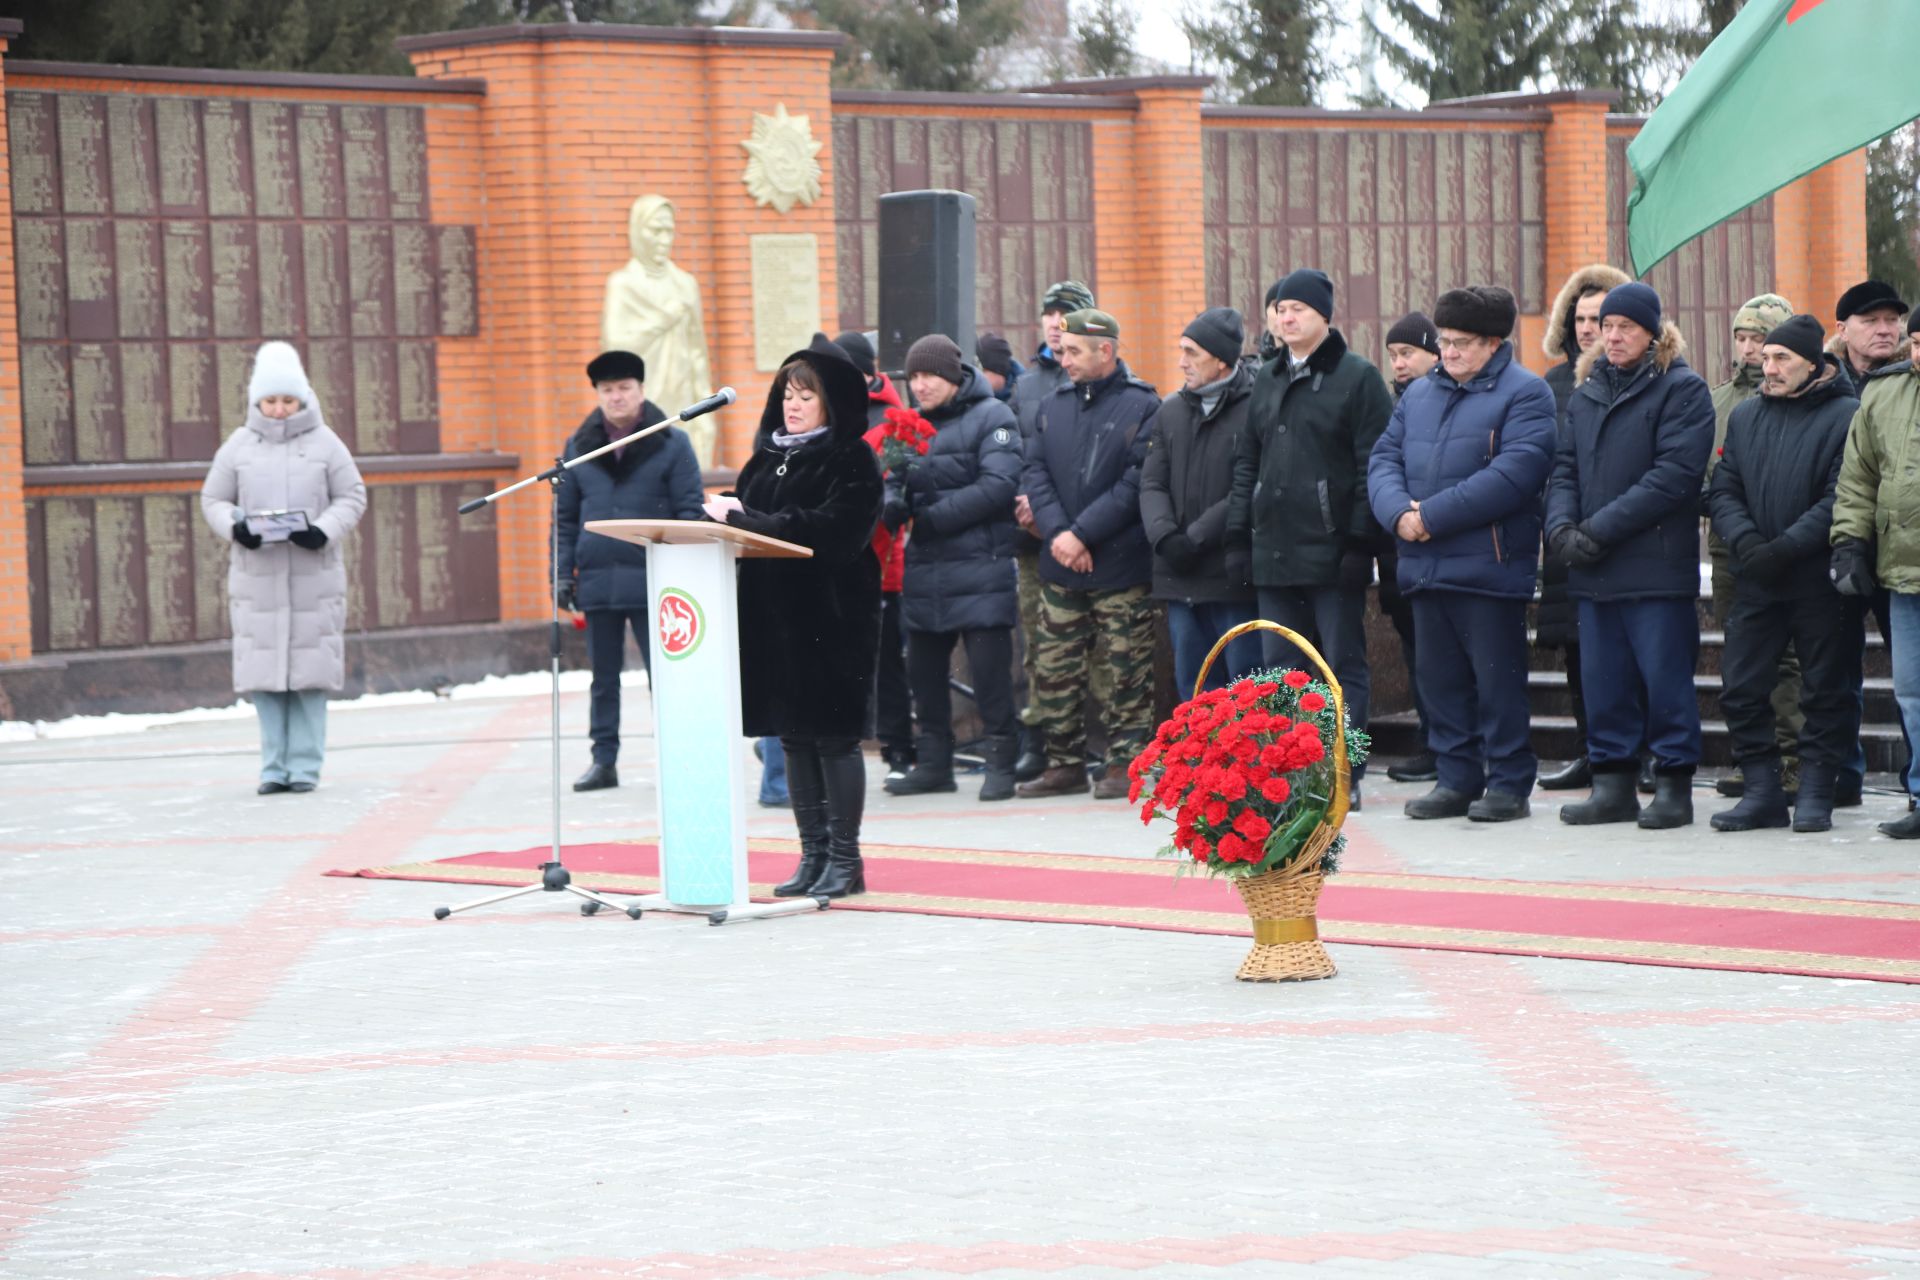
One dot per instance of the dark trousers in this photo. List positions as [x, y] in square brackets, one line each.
[1195, 627]
[1473, 666]
[1333, 619]
[1399, 611]
[1636, 662]
[1826, 632]
[989, 662]
[606, 654]
[893, 700]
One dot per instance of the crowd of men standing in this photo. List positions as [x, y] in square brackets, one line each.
[1064, 502]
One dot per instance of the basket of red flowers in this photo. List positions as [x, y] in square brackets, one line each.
[1255, 778]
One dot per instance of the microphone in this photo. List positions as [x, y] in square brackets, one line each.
[718, 400]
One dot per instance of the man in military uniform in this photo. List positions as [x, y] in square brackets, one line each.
[1082, 482]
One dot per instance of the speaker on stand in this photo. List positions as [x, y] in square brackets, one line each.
[926, 271]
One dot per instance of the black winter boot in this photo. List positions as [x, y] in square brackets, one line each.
[807, 788]
[1813, 809]
[1612, 800]
[846, 775]
[1032, 761]
[932, 770]
[998, 783]
[1646, 776]
[1577, 774]
[1672, 802]
[1762, 802]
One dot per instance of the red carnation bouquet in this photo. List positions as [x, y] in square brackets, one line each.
[1246, 773]
[904, 438]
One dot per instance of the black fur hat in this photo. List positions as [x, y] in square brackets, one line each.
[1485, 309]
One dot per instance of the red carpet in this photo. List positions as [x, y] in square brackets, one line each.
[1685, 928]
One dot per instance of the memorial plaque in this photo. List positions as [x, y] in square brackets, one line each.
[236, 281]
[144, 400]
[42, 275]
[419, 395]
[46, 404]
[330, 370]
[376, 397]
[232, 370]
[323, 251]
[90, 306]
[131, 147]
[96, 403]
[33, 149]
[317, 141]
[392, 601]
[355, 556]
[36, 576]
[229, 159]
[70, 562]
[370, 280]
[195, 428]
[283, 294]
[276, 171]
[139, 287]
[363, 143]
[166, 524]
[210, 562]
[84, 177]
[406, 164]
[183, 164]
[120, 572]
[478, 564]
[454, 267]
[414, 301]
[786, 295]
[433, 557]
[189, 267]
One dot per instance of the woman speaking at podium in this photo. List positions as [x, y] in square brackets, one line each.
[810, 629]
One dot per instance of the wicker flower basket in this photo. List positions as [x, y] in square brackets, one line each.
[1283, 903]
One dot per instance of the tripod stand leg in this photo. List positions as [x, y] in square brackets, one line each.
[441, 913]
[594, 902]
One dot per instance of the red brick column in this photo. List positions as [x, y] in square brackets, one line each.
[1820, 235]
[16, 614]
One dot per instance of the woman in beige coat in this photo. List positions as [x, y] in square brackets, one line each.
[287, 598]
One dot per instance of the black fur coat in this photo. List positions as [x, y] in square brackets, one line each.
[810, 629]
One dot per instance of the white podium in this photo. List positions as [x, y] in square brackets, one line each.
[702, 779]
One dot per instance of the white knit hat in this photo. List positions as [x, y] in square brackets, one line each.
[277, 372]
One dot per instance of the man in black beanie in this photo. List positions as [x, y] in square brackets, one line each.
[994, 354]
[1869, 337]
[1413, 349]
[1184, 486]
[1771, 499]
[1313, 416]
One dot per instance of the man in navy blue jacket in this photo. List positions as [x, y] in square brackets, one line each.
[657, 478]
[1623, 514]
[1457, 478]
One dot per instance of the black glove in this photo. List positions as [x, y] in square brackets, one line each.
[1356, 569]
[1240, 567]
[1761, 560]
[245, 536]
[898, 507]
[1852, 568]
[563, 595]
[312, 538]
[1575, 547]
[1178, 551]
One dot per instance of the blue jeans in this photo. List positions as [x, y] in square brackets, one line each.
[1904, 613]
[293, 734]
[1195, 628]
[1636, 666]
[773, 772]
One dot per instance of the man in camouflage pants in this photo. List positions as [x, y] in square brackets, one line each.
[1082, 482]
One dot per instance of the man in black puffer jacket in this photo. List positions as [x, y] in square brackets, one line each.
[959, 582]
[1772, 504]
[657, 478]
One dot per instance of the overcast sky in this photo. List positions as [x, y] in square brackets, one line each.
[1160, 37]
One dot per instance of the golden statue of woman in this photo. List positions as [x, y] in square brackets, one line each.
[653, 310]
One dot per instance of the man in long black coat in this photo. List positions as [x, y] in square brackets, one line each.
[656, 478]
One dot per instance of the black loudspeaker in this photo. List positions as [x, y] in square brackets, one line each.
[926, 271]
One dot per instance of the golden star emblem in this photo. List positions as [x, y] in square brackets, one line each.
[781, 167]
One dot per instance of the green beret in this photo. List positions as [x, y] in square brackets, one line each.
[1092, 323]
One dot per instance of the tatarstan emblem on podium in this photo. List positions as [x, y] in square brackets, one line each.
[681, 623]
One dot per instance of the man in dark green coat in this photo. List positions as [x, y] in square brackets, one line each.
[1298, 520]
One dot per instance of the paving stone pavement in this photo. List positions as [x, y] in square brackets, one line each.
[219, 1063]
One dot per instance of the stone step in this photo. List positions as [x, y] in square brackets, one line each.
[1397, 734]
[1547, 695]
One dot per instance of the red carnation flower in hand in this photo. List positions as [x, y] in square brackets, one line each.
[1296, 679]
[1312, 702]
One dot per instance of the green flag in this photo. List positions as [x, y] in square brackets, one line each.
[1789, 85]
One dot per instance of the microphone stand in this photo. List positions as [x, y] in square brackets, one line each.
[554, 876]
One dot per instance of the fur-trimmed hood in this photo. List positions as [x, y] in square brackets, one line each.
[1558, 342]
[1667, 348]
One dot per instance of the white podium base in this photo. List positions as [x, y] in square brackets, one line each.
[734, 911]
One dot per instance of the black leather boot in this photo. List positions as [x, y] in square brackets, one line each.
[998, 783]
[1577, 774]
[1612, 800]
[1672, 802]
[1032, 761]
[1647, 786]
[1813, 808]
[932, 769]
[597, 778]
[1762, 802]
[807, 787]
[846, 775]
